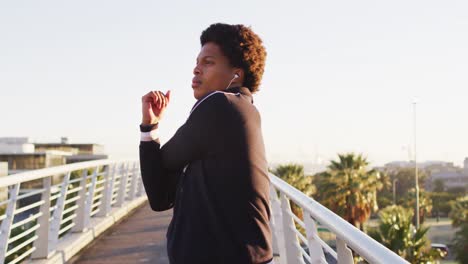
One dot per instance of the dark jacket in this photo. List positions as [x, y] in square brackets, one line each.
[221, 201]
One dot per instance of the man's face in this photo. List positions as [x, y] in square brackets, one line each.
[212, 72]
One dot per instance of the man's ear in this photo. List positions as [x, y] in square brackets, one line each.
[240, 73]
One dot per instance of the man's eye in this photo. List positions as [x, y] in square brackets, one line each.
[209, 62]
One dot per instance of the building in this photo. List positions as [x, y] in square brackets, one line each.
[429, 166]
[465, 166]
[451, 179]
[16, 145]
[20, 162]
[451, 175]
[3, 169]
[80, 152]
[22, 155]
[3, 172]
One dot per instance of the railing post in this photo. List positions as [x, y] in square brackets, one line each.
[8, 221]
[86, 201]
[276, 223]
[42, 245]
[315, 248]
[80, 211]
[105, 206]
[133, 185]
[293, 253]
[123, 185]
[141, 189]
[58, 212]
[345, 255]
[71, 199]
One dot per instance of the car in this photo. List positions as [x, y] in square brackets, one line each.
[442, 248]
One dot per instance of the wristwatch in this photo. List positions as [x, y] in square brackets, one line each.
[148, 127]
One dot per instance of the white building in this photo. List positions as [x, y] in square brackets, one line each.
[12, 145]
[21, 154]
[451, 176]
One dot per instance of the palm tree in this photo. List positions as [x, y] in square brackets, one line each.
[459, 215]
[349, 189]
[293, 174]
[460, 244]
[396, 232]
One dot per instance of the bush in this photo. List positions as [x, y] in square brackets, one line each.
[396, 232]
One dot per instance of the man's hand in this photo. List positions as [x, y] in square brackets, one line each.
[153, 105]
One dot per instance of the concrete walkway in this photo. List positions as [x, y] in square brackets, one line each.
[141, 238]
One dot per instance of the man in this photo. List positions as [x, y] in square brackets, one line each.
[213, 171]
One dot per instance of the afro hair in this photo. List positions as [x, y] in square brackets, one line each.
[242, 47]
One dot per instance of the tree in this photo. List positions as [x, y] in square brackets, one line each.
[442, 203]
[294, 175]
[405, 180]
[385, 197]
[460, 244]
[439, 186]
[459, 191]
[459, 215]
[348, 188]
[425, 203]
[396, 232]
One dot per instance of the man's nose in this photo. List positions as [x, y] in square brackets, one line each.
[196, 70]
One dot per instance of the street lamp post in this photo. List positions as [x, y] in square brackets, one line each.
[416, 167]
[394, 191]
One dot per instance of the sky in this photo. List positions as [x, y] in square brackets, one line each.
[340, 76]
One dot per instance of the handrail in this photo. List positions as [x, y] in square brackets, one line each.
[362, 244]
[41, 173]
[69, 204]
[95, 194]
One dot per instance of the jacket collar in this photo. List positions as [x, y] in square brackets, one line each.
[236, 90]
[242, 90]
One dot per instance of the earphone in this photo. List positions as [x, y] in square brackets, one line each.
[235, 77]
[200, 101]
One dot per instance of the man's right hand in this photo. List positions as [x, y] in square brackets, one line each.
[153, 105]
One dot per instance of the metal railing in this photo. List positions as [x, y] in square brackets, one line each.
[297, 240]
[40, 208]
